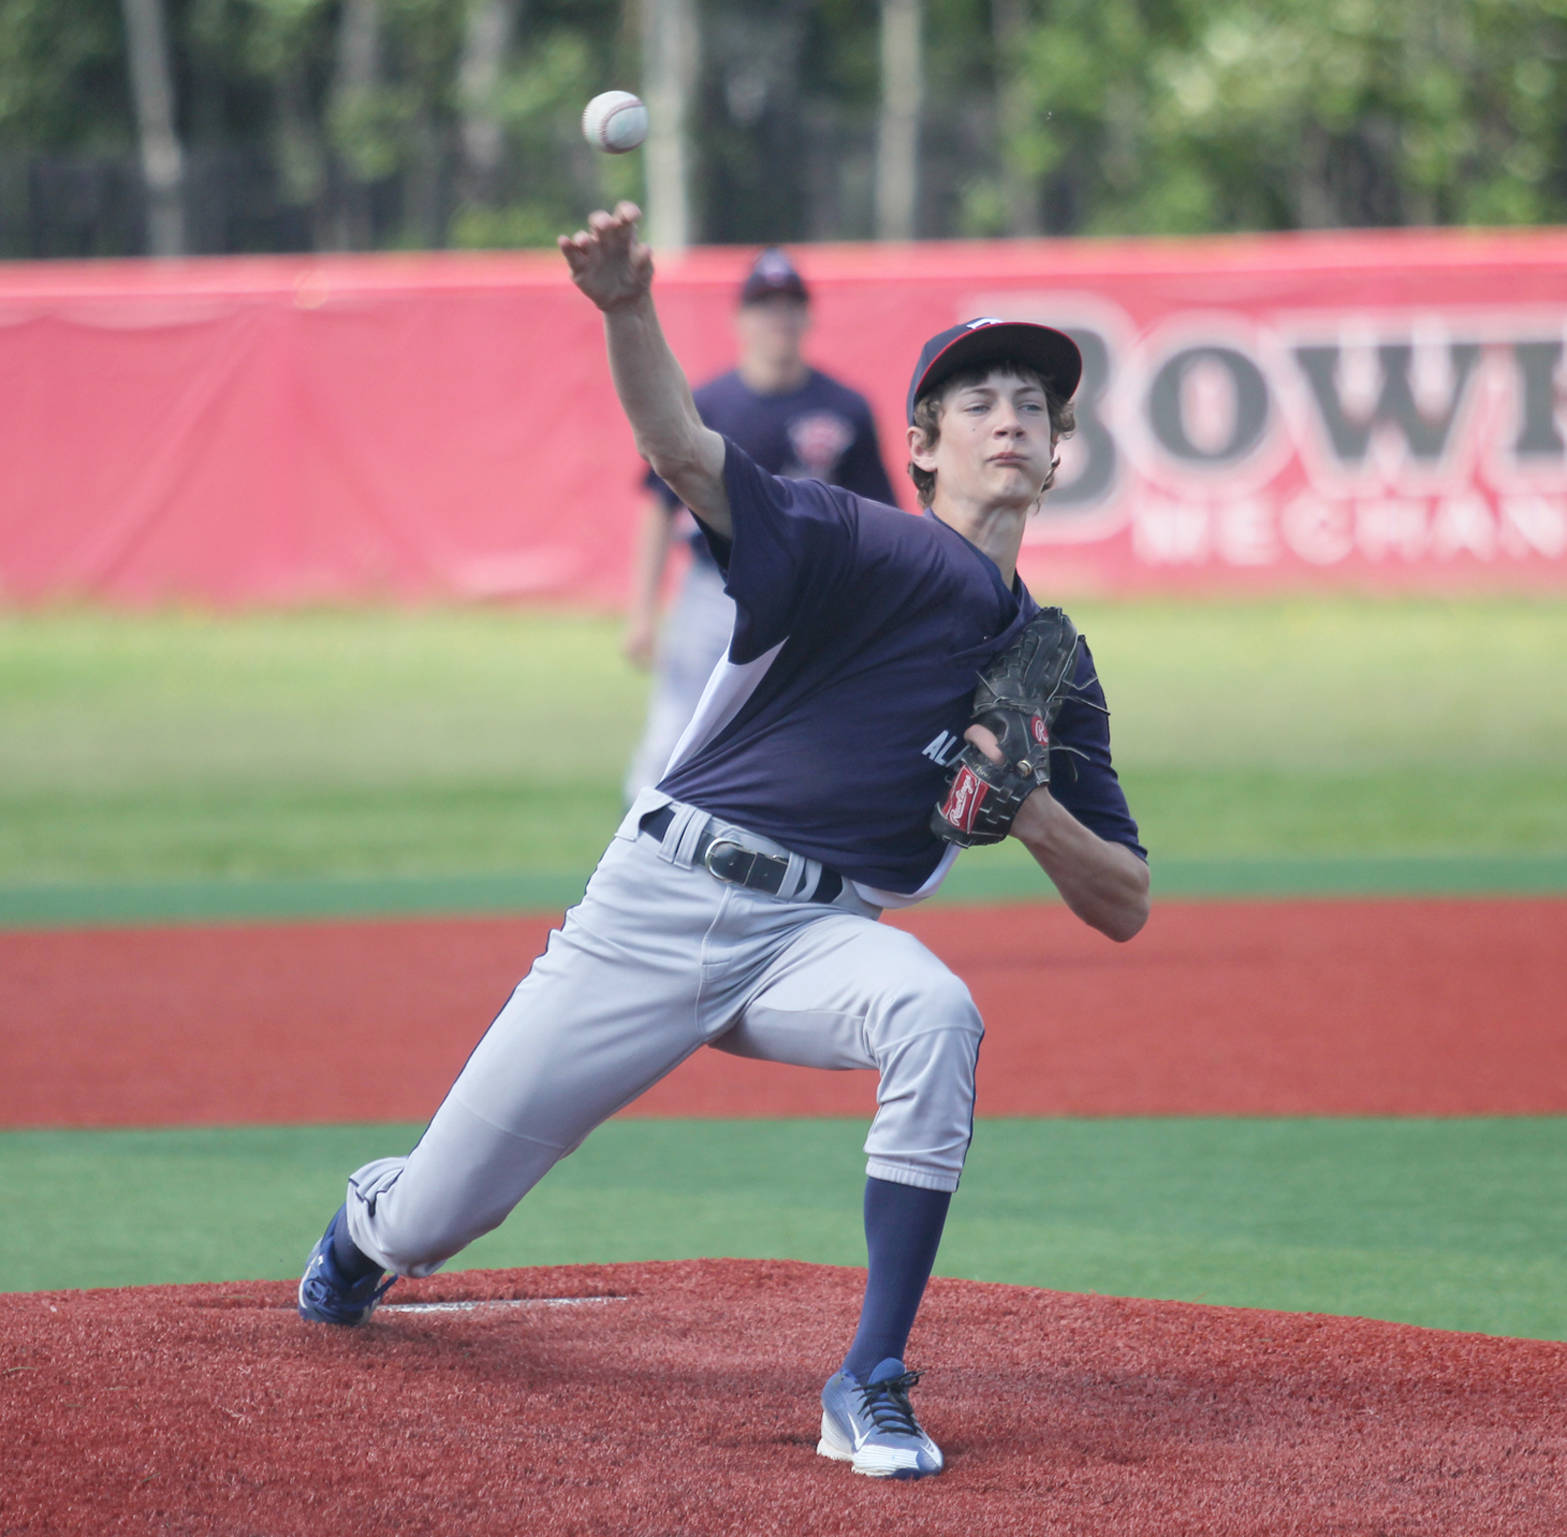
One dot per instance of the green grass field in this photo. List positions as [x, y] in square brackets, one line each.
[473, 757]
[185, 767]
[1419, 1221]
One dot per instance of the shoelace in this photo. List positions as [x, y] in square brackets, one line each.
[887, 1404]
[368, 1289]
[382, 1287]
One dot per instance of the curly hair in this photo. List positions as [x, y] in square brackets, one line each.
[927, 417]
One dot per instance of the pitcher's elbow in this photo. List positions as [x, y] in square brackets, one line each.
[1132, 911]
[1129, 923]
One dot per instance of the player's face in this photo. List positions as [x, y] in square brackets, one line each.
[772, 331]
[995, 444]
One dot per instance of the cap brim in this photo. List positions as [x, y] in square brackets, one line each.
[1053, 354]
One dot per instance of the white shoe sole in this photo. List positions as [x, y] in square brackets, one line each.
[872, 1461]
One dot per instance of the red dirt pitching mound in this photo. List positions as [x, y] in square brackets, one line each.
[681, 1398]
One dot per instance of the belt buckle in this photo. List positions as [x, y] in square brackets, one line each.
[712, 848]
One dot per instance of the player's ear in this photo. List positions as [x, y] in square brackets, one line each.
[921, 450]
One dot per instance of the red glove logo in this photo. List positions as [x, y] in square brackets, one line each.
[1040, 730]
[964, 798]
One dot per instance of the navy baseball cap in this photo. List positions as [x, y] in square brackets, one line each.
[1053, 353]
[772, 274]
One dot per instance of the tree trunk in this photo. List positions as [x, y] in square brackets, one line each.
[1014, 118]
[897, 135]
[152, 91]
[670, 58]
[357, 75]
[301, 151]
[486, 42]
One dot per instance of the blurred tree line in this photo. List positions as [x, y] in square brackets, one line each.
[262, 125]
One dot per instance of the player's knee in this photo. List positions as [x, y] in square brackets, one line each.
[934, 1001]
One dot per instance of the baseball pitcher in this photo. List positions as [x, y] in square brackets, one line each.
[890, 695]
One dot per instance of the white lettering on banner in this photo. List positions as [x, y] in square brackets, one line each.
[1328, 531]
[1171, 533]
[1245, 535]
[1240, 532]
[1392, 527]
[1317, 529]
[1463, 525]
[1534, 525]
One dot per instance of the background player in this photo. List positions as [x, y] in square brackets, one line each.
[792, 419]
[736, 904]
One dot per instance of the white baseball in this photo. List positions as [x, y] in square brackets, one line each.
[614, 122]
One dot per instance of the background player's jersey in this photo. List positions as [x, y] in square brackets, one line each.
[821, 431]
[859, 632]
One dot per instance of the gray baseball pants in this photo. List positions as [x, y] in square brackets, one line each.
[659, 959]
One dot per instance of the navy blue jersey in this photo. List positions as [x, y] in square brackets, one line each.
[859, 632]
[821, 431]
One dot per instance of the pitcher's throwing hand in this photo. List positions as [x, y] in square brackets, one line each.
[607, 261]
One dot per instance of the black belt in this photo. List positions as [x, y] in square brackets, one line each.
[726, 860]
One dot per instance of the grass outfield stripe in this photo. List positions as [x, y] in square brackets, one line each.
[198, 901]
[1000, 876]
[1454, 1224]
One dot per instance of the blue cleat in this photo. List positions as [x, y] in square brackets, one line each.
[327, 1297]
[872, 1425]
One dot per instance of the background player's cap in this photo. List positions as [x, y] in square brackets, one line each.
[1053, 353]
[772, 274]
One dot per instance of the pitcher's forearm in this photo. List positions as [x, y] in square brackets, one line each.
[656, 398]
[1105, 884]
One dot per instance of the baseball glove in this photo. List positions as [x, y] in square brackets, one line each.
[1019, 696]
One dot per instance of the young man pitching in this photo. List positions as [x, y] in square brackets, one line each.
[839, 759]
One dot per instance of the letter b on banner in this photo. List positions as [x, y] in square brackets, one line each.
[1093, 449]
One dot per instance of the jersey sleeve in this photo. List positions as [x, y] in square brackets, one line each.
[1082, 777]
[792, 543]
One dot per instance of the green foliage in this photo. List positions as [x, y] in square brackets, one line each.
[1213, 114]
[1105, 116]
[61, 86]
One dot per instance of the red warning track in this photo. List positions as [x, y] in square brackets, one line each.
[1368, 1007]
[689, 1406]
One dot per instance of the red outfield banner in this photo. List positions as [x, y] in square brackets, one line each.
[1369, 411]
